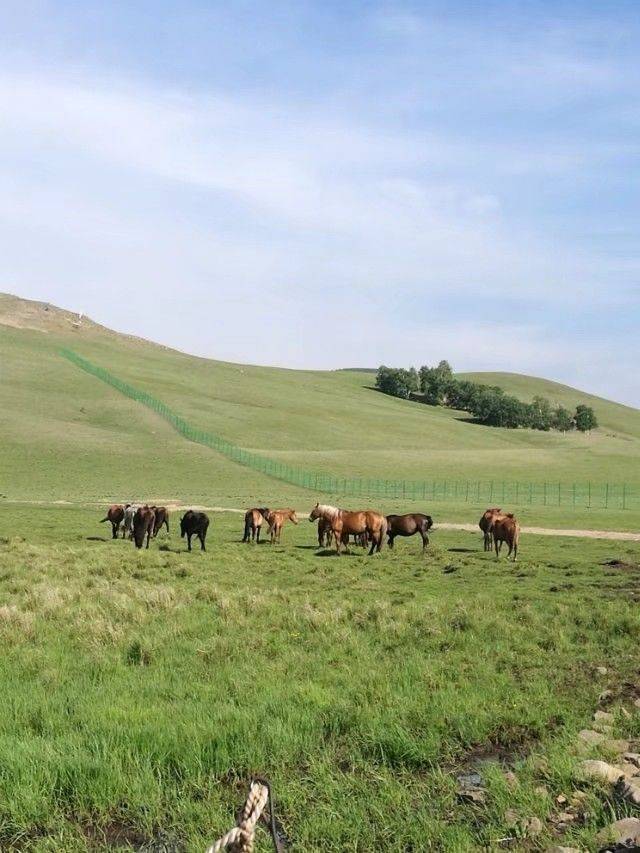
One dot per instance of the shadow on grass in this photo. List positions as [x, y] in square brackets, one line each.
[99, 539]
[463, 550]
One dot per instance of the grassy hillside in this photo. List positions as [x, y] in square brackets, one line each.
[69, 436]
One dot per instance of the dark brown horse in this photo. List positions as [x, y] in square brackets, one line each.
[344, 524]
[485, 523]
[143, 522]
[194, 523]
[253, 520]
[162, 517]
[325, 534]
[505, 528]
[115, 515]
[409, 525]
[276, 519]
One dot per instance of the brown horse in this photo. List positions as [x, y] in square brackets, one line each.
[325, 534]
[485, 523]
[162, 517]
[505, 528]
[344, 524]
[253, 519]
[115, 514]
[143, 523]
[409, 525]
[194, 523]
[276, 519]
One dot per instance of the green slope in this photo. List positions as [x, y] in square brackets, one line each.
[68, 435]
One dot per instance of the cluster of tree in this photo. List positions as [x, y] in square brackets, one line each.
[487, 403]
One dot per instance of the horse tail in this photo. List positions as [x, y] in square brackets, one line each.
[384, 526]
[106, 518]
[247, 527]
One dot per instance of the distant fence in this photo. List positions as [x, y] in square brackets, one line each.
[491, 492]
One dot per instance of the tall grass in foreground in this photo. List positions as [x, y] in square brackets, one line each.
[142, 689]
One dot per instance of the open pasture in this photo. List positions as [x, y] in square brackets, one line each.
[142, 689]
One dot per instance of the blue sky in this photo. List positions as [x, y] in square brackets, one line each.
[322, 184]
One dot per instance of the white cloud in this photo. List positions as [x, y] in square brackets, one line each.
[286, 234]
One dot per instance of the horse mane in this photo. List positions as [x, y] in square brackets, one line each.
[327, 510]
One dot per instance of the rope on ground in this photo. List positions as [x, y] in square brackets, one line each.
[240, 839]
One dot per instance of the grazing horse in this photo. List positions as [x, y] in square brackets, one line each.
[409, 525]
[253, 519]
[345, 523]
[162, 517]
[127, 523]
[115, 514]
[194, 523]
[485, 523]
[143, 521]
[276, 519]
[505, 528]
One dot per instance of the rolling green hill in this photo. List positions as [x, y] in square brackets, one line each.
[67, 436]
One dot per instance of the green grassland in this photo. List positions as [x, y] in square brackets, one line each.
[141, 690]
[67, 436]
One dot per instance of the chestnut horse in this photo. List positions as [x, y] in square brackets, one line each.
[325, 535]
[143, 523]
[505, 528]
[409, 525]
[115, 514]
[344, 524]
[485, 523]
[253, 519]
[276, 519]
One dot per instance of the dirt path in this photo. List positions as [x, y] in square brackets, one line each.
[550, 531]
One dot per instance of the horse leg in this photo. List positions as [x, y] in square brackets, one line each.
[189, 535]
[201, 537]
[425, 539]
[495, 542]
[515, 550]
[390, 540]
[149, 532]
[372, 536]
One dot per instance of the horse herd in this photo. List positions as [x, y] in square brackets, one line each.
[335, 525]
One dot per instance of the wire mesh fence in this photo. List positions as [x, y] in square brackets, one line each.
[490, 492]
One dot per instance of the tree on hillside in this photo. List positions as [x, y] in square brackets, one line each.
[585, 418]
[562, 420]
[397, 381]
[435, 382]
[540, 414]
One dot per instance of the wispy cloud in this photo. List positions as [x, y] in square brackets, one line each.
[434, 196]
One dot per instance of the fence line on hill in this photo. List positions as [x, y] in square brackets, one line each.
[491, 492]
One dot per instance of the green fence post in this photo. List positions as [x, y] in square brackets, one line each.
[624, 496]
[589, 495]
[606, 496]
